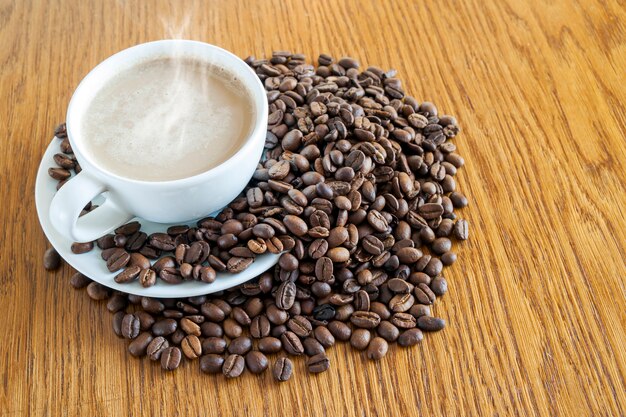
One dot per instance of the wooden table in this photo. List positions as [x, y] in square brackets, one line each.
[536, 309]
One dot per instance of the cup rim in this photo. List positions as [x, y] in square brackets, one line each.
[256, 91]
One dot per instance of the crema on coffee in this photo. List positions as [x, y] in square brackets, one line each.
[166, 119]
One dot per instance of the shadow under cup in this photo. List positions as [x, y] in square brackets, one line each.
[157, 197]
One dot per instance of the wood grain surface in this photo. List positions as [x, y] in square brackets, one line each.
[536, 309]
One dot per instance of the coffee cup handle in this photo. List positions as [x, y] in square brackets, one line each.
[70, 200]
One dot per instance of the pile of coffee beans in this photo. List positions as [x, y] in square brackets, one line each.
[356, 190]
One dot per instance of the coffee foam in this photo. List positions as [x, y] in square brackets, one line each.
[166, 119]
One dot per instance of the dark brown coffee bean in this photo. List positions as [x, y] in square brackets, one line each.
[365, 319]
[80, 248]
[212, 312]
[441, 245]
[59, 174]
[300, 325]
[118, 259]
[156, 347]
[79, 280]
[147, 278]
[401, 303]
[409, 255]
[318, 363]
[237, 264]
[380, 309]
[458, 199]
[190, 327]
[128, 228]
[234, 366]
[295, 225]
[51, 259]
[130, 326]
[312, 346]
[232, 329]
[372, 245]
[256, 362]
[360, 338]
[260, 327]
[340, 331]
[282, 369]
[269, 345]
[377, 221]
[410, 337]
[361, 300]
[433, 267]
[139, 345]
[419, 310]
[164, 327]
[117, 303]
[170, 358]
[403, 320]
[214, 345]
[460, 230]
[211, 363]
[152, 305]
[117, 323]
[161, 241]
[136, 241]
[388, 331]
[97, 291]
[128, 274]
[240, 345]
[430, 324]
[338, 255]
[377, 348]
[291, 343]
[286, 295]
[439, 286]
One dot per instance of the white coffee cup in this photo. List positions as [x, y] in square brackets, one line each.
[173, 201]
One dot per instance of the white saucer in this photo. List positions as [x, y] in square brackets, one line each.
[92, 265]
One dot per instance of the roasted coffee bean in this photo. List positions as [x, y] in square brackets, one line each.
[59, 174]
[312, 346]
[232, 329]
[51, 259]
[80, 248]
[401, 303]
[79, 280]
[458, 199]
[388, 331]
[410, 337]
[286, 295]
[147, 278]
[130, 326]
[360, 338]
[237, 264]
[256, 362]
[338, 254]
[269, 345]
[164, 327]
[295, 225]
[152, 305]
[240, 345]
[318, 363]
[170, 358]
[291, 343]
[441, 245]
[300, 325]
[156, 347]
[118, 259]
[403, 320]
[191, 346]
[365, 319]
[214, 345]
[211, 363]
[234, 366]
[161, 241]
[377, 348]
[129, 274]
[117, 302]
[460, 229]
[430, 324]
[97, 291]
[210, 329]
[117, 323]
[340, 331]
[282, 369]
[439, 286]
[138, 346]
[260, 327]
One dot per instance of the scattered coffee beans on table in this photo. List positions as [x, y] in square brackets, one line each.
[356, 190]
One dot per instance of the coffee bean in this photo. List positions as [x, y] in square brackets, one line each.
[282, 369]
[80, 248]
[256, 362]
[377, 348]
[460, 230]
[191, 346]
[403, 320]
[388, 331]
[97, 291]
[409, 255]
[211, 363]
[401, 303]
[410, 337]
[128, 274]
[458, 199]
[285, 295]
[365, 319]
[117, 302]
[360, 338]
[130, 326]
[430, 324]
[439, 286]
[269, 345]
[51, 259]
[338, 254]
[240, 345]
[164, 327]
[232, 329]
[138, 346]
[260, 327]
[118, 259]
[233, 366]
[214, 345]
[291, 343]
[79, 280]
[318, 363]
[170, 358]
[377, 221]
[300, 325]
